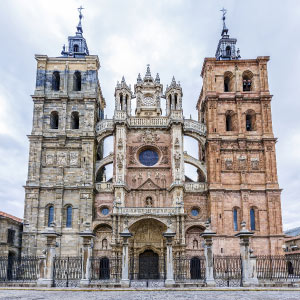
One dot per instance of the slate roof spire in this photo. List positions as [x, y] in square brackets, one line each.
[77, 46]
[226, 49]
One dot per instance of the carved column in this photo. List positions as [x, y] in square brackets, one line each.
[244, 236]
[125, 234]
[87, 241]
[207, 235]
[48, 265]
[169, 235]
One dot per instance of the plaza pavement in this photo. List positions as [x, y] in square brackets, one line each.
[150, 294]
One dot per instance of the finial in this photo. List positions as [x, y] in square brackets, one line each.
[79, 27]
[157, 79]
[148, 72]
[123, 79]
[225, 30]
[173, 81]
[139, 78]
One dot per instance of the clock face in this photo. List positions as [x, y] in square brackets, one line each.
[148, 101]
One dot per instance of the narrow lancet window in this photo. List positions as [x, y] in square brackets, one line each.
[50, 215]
[74, 120]
[77, 81]
[55, 81]
[235, 220]
[252, 219]
[69, 217]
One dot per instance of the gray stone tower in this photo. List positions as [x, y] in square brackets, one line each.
[68, 103]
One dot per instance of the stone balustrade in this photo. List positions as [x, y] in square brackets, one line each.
[104, 125]
[149, 122]
[120, 115]
[194, 126]
[195, 187]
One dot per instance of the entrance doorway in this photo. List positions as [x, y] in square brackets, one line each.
[148, 265]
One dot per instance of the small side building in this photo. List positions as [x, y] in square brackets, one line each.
[11, 229]
[292, 241]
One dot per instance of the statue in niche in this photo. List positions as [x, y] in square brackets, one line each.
[177, 157]
[157, 177]
[120, 143]
[140, 178]
[134, 179]
[163, 180]
[120, 159]
[195, 244]
[149, 202]
[104, 244]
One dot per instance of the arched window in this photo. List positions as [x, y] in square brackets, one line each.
[250, 120]
[75, 48]
[55, 81]
[77, 81]
[252, 219]
[126, 102]
[226, 84]
[54, 120]
[235, 219]
[228, 51]
[170, 102]
[247, 81]
[121, 102]
[75, 120]
[176, 101]
[50, 215]
[228, 122]
[69, 216]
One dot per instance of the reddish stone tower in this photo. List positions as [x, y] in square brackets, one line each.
[235, 104]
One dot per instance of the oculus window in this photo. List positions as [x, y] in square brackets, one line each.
[148, 157]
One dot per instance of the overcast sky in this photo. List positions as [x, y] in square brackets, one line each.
[173, 37]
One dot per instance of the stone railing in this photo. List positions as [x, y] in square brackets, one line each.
[120, 115]
[149, 122]
[195, 187]
[104, 125]
[158, 211]
[194, 126]
[104, 186]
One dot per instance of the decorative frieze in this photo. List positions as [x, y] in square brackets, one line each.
[61, 158]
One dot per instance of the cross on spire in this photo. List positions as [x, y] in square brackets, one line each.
[225, 30]
[79, 26]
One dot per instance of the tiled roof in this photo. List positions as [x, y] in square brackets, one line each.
[293, 232]
[3, 214]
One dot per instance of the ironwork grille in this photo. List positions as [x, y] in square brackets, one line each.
[105, 268]
[228, 270]
[67, 271]
[189, 268]
[144, 268]
[278, 267]
[24, 269]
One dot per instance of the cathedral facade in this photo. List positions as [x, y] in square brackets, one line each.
[68, 189]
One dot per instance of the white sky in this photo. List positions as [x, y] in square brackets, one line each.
[173, 37]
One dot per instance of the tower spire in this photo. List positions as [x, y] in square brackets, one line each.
[226, 49]
[77, 46]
